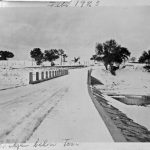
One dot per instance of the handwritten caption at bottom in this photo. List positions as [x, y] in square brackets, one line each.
[40, 145]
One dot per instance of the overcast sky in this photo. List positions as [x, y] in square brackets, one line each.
[76, 30]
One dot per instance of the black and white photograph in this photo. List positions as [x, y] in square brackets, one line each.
[74, 75]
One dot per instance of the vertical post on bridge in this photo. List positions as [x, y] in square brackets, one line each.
[37, 76]
[42, 75]
[30, 78]
[46, 74]
[59, 73]
[49, 74]
[56, 73]
[53, 73]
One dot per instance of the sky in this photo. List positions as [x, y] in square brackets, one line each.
[76, 30]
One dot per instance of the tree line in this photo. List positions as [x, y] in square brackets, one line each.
[48, 55]
[111, 54]
[145, 57]
[39, 56]
[4, 55]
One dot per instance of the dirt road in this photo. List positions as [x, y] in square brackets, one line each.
[55, 110]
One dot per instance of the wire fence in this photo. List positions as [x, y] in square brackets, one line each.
[17, 64]
[25, 63]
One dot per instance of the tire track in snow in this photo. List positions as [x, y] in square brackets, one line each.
[25, 127]
[18, 99]
[7, 129]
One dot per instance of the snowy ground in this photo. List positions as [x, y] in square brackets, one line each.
[13, 77]
[54, 110]
[61, 108]
[10, 78]
[132, 80]
[16, 73]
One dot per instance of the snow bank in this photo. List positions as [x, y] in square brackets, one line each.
[10, 77]
[133, 79]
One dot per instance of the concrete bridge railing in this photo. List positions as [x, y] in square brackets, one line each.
[46, 75]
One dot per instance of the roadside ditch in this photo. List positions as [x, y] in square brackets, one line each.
[120, 126]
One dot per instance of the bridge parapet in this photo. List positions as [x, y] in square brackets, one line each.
[46, 75]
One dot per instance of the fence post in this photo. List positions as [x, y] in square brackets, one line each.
[46, 74]
[42, 75]
[37, 76]
[30, 77]
[58, 72]
[49, 74]
[55, 73]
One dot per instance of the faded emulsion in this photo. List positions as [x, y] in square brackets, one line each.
[74, 74]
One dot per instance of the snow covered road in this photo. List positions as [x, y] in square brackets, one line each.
[55, 110]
